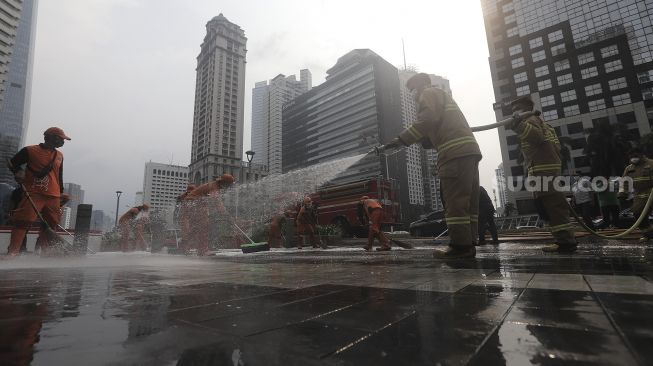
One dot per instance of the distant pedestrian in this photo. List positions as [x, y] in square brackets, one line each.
[583, 200]
[609, 204]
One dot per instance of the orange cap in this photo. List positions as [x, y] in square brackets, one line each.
[56, 131]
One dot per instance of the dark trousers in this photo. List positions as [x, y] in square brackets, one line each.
[585, 210]
[487, 220]
[610, 215]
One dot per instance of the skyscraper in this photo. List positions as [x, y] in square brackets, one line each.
[219, 102]
[355, 109]
[267, 103]
[583, 62]
[76, 198]
[162, 184]
[16, 58]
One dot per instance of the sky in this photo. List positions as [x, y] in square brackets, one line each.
[119, 75]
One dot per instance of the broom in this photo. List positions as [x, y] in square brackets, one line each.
[53, 238]
[252, 247]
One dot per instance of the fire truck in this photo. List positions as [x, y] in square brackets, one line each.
[338, 204]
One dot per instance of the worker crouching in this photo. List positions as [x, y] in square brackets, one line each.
[203, 198]
[132, 223]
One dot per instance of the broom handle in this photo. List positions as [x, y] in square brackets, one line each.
[239, 229]
[34, 207]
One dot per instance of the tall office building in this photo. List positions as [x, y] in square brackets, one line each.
[267, 104]
[355, 109]
[76, 198]
[217, 145]
[162, 184]
[582, 62]
[17, 28]
[501, 186]
[423, 183]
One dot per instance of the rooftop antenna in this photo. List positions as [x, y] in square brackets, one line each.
[403, 48]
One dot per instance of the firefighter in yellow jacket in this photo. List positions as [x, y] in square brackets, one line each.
[442, 126]
[541, 150]
[640, 171]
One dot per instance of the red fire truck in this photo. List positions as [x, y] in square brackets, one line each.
[338, 204]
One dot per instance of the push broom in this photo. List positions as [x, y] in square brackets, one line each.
[252, 247]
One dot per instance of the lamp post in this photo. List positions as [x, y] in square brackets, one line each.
[118, 193]
[250, 156]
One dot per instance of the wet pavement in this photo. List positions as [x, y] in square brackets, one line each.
[512, 305]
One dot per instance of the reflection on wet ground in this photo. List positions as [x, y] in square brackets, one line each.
[512, 305]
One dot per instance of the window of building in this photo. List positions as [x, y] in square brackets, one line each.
[507, 7]
[593, 89]
[571, 110]
[621, 99]
[535, 42]
[547, 101]
[565, 79]
[585, 58]
[518, 62]
[589, 72]
[512, 140]
[647, 93]
[514, 50]
[568, 95]
[550, 115]
[538, 56]
[609, 51]
[541, 71]
[555, 36]
[517, 171]
[544, 84]
[618, 83]
[596, 105]
[510, 18]
[573, 128]
[645, 77]
[561, 65]
[613, 66]
[578, 143]
[521, 77]
[523, 90]
[512, 32]
[558, 50]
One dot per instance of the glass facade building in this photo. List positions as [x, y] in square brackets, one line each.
[582, 62]
[16, 89]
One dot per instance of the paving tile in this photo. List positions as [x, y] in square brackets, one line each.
[567, 282]
[526, 344]
[620, 284]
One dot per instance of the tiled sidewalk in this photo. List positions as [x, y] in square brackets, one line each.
[512, 305]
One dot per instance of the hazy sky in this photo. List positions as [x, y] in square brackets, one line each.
[119, 75]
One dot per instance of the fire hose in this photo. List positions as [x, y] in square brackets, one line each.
[643, 215]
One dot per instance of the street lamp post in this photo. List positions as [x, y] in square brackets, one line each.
[250, 156]
[118, 193]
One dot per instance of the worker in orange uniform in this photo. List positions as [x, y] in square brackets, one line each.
[42, 239]
[185, 212]
[306, 222]
[371, 212]
[42, 177]
[203, 197]
[128, 224]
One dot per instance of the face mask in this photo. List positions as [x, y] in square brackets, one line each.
[634, 160]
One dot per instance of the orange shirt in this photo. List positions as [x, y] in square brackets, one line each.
[128, 216]
[39, 158]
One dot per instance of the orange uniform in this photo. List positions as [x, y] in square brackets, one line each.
[44, 182]
[202, 198]
[126, 224]
[373, 211]
[185, 218]
[306, 225]
[275, 237]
